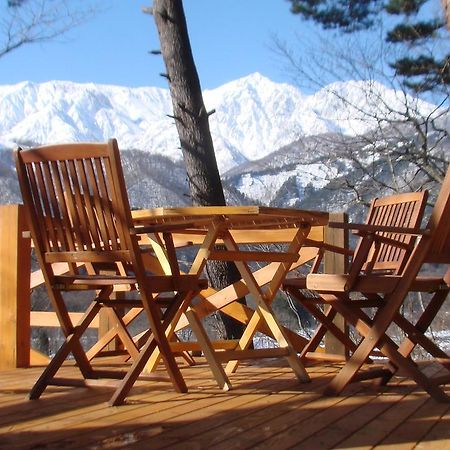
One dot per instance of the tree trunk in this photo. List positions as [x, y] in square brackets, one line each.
[446, 7]
[191, 119]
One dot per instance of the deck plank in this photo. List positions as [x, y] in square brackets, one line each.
[370, 407]
[417, 426]
[202, 404]
[382, 425]
[307, 420]
[267, 408]
[438, 436]
[251, 414]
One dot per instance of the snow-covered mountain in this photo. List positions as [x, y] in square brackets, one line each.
[274, 144]
[254, 116]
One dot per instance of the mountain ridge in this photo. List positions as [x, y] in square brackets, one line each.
[253, 116]
[274, 145]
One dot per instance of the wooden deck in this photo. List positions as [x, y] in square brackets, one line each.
[266, 409]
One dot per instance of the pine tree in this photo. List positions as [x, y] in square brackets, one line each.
[420, 68]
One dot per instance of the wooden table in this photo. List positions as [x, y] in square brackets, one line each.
[233, 226]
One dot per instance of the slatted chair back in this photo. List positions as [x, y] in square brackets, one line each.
[401, 210]
[79, 210]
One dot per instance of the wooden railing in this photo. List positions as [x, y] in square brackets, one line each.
[16, 284]
[17, 281]
[15, 259]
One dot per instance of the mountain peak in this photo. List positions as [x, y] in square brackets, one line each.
[254, 80]
[254, 116]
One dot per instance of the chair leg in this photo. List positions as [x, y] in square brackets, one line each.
[111, 334]
[133, 373]
[322, 318]
[171, 318]
[417, 337]
[413, 371]
[374, 335]
[416, 334]
[421, 326]
[121, 331]
[326, 324]
[361, 355]
[71, 344]
[159, 333]
[50, 371]
[320, 331]
[158, 339]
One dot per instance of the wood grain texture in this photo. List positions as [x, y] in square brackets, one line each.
[267, 408]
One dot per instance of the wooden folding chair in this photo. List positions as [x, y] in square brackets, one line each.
[370, 256]
[387, 293]
[78, 212]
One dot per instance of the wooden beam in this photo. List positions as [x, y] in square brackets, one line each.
[49, 319]
[185, 346]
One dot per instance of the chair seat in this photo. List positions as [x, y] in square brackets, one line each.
[170, 283]
[369, 284]
[159, 283]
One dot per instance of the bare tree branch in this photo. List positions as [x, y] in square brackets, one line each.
[33, 21]
[408, 146]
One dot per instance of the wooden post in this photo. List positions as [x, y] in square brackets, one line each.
[336, 263]
[15, 253]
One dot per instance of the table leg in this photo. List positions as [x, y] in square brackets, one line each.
[263, 310]
[166, 256]
[208, 350]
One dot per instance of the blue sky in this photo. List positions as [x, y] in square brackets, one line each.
[230, 39]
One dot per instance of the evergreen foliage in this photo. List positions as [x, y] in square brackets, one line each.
[15, 3]
[347, 15]
[411, 33]
[420, 69]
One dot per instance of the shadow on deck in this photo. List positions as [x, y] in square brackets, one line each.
[267, 408]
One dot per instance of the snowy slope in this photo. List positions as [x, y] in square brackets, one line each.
[254, 116]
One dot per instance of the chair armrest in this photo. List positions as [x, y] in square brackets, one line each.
[389, 241]
[366, 229]
[328, 247]
[336, 249]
